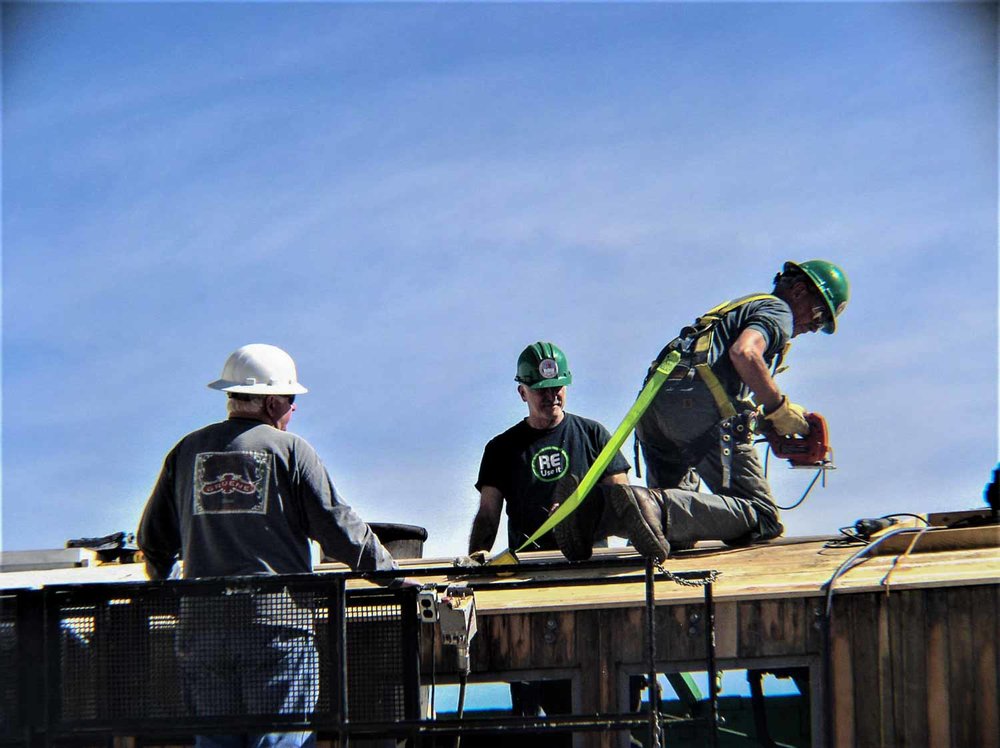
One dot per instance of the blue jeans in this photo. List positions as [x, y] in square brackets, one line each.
[266, 740]
[254, 670]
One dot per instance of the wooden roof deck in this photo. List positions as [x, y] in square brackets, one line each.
[782, 569]
[785, 568]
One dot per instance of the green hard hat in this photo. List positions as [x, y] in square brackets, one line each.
[830, 282]
[543, 365]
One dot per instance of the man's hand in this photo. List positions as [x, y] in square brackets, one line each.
[474, 559]
[402, 583]
[788, 418]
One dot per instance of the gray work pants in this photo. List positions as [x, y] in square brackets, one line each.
[682, 439]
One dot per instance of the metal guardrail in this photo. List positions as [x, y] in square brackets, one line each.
[98, 660]
[200, 656]
[11, 659]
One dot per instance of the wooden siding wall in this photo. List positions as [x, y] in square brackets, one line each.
[917, 668]
[538, 641]
[913, 668]
[601, 644]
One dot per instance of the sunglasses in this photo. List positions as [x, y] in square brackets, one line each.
[821, 313]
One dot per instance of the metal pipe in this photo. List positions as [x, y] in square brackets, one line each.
[503, 725]
[654, 691]
[463, 681]
[341, 590]
[713, 685]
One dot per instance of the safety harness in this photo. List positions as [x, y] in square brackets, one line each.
[695, 343]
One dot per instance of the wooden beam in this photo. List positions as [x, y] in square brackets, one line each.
[841, 718]
[961, 539]
[986, 685]
[938, 686]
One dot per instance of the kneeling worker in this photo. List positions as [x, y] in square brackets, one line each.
[702, 421]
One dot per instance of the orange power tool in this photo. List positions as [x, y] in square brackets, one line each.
[810, 451]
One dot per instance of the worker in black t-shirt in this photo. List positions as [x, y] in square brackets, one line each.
[521, 468]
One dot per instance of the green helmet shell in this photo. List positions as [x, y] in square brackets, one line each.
[543, 365]
[832, 285]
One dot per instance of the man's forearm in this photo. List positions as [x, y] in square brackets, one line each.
[484, 533]
[747, 357]
[755, 375]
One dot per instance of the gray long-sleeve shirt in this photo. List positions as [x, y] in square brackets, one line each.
[241, 497]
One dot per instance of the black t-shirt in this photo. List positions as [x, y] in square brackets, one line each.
[525, 464]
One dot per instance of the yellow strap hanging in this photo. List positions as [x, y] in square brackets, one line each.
[725, 405]
[703, 345]
[704, 327]
[607, 454]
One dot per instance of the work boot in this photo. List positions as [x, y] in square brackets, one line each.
[639, 511]
[575, 534]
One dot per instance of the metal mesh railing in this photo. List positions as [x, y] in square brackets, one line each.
[10, 665]
[376, 684]
[179, 658]
[215, 653]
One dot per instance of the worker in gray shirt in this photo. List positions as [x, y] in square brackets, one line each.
[701, 424]
[244, 497]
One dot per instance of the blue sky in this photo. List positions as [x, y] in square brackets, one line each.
[405, 195]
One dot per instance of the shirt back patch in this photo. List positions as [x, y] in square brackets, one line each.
[232, 482]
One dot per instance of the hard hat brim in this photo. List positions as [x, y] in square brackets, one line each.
[261, 388]
[547, 383]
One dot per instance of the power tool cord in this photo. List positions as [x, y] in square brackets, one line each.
[820, 471]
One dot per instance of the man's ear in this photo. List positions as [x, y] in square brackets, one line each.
[520, 391]
[271, 409]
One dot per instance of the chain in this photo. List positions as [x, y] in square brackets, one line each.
[682, 578]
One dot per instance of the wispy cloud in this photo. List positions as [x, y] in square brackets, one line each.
[403, 197]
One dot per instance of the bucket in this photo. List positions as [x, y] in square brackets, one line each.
[402, 541]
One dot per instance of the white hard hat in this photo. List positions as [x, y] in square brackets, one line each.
[259, 369]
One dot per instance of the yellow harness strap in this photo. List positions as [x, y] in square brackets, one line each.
[705, 327]
[600, 464]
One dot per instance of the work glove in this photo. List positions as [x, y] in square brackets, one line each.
[473, 560]
[788, 418]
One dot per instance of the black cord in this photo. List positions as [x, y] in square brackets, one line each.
[819, 472]
[906, 514]
[851, 537]
[812, 483]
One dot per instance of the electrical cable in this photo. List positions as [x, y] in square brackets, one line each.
[850, 562]
[899, 558]
[819, 472]
[851, 537]
[463, 679]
